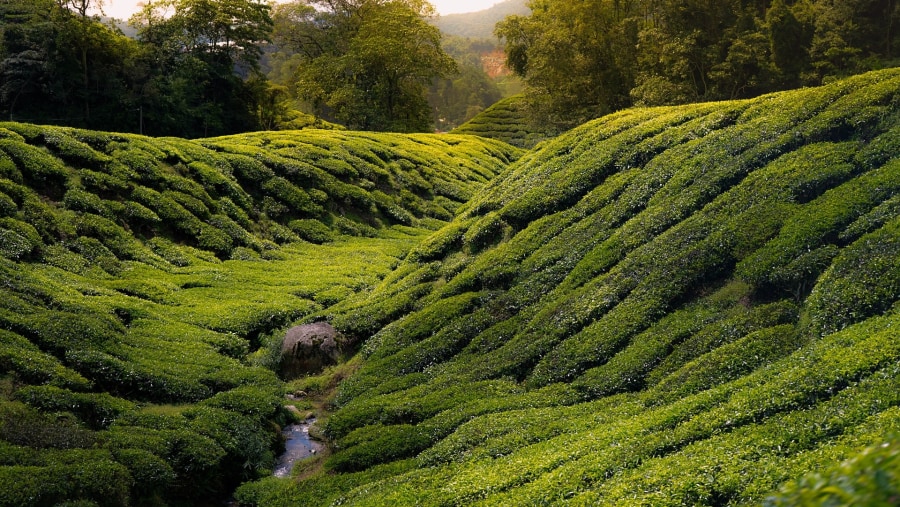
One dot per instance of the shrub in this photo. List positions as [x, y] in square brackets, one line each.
[30, 364]
[870, 478]
[97, 410]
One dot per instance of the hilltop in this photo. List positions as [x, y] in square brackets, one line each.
[680, 305]
[507, 120]
[480, 24]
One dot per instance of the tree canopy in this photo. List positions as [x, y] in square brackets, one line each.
[584, 59]
[191, 72]
[364, 63]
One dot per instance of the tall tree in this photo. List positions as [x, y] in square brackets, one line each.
[58, 64]
[365, 63]
[576, 57]
[582, 59]
[200, 52]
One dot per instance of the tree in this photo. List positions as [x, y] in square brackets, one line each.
[200, 52]
[577, 58]
[582, 59]
[60, 65]
[365, 63]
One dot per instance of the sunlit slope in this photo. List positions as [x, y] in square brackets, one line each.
[507, 121]
[145, 285]
[674, 306]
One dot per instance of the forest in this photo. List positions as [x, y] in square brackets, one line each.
[581, 60]
[197, 68]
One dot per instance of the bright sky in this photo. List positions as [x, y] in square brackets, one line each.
[123, 9]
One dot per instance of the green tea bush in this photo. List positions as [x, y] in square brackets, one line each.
[73, 151]
[14, 245]
[102, 184]
[192, 204]
[863, 281]
[870, 478]
[97, 410]
[37, 166]
[258, 402]
[507, 121]
[88, 477]
[701, 295]
[312, 230]
[21, 357]
[79, 200]
[246, 444]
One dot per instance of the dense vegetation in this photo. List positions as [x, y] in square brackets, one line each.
[686, 305]
[145, 285]
[192, 67]
[581, 60]
[365, 64]
[192, 71]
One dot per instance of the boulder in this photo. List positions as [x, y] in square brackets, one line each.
[309, 349]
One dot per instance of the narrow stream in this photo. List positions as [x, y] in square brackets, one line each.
[297, 446]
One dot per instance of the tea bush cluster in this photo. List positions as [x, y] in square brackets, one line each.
[508, 121]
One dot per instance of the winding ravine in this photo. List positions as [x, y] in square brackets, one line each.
[297, 445]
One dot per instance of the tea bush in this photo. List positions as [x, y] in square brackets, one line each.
[507, 121]
[680, 305]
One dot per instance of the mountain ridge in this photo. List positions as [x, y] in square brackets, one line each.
[480, 24]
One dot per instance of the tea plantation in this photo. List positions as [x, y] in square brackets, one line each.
[507, 121]
[145, 285]
[692, 305]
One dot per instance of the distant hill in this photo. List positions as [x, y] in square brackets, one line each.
[507, 121]
[480, 24]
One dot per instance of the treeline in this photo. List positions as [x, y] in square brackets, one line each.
[581, 60]
[192, 71]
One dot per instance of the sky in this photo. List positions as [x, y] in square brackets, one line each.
[123, 9]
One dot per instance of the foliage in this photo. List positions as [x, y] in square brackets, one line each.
[142, 282]
[366, 64]
[583, 60]
[457, 98]
[186, 73]
[869, 478]
[507, 120]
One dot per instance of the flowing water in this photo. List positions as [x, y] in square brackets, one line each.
[297, 446]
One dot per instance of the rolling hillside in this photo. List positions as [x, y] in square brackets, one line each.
[692, 305]
[507, 121]
[145, 285]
